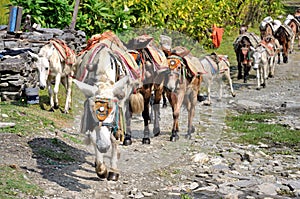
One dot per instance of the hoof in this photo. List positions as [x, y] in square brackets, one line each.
[101, 171]
[146, 141]
[56, 106]
[127, 140]
[263, 85]
[245, 81]
[113, 176]
[201, 98]
[233, 94]
[174, 137]
[156, 132]
[240, 77]
[271, 76]
[258, 88]
[188, 136]
[51, 109]
[207, 103]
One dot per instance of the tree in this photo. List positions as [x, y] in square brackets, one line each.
[73, 22]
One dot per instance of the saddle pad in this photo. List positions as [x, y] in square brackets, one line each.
[194, 64]
[180, 51]
[158, 57]
[290, 18]
[288, 30]
[213, 65]
[66, 55]
[253, 38]
[120, 50]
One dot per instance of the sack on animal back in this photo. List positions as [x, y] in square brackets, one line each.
[180, 51]
[166, 42]
[137, 103]
[252, 37]
[194, 64]
[139, 42]
[289, 31]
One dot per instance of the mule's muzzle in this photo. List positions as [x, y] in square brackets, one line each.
[42, 87]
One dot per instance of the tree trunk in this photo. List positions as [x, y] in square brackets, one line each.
[73, 22]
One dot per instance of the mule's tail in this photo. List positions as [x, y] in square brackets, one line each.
[136, 101]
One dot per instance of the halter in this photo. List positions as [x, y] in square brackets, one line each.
[108, 112]
[174, 62]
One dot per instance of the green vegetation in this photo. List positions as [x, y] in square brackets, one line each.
[256, 127]
[185, 196]
[15, 184]
[4, 12]
[193, 18]
[30, 119]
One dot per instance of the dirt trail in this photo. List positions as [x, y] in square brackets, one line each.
[151, 170]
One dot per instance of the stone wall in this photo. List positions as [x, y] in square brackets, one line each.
[16, 72]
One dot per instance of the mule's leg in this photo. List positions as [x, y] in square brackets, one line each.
[56, 89]
[128, 115]
[191, 103]
[100, 167]
[292, 44]
[176, 100]
[158, 92]
[67, 83]
[278, 57]
[264, 74]
[258, 77]
[246, 72]
[114, 173]
[209, 83]
[227, 75]
[50, 93]
[271, 67]
[146, 115]
[164, 99]
[285, 52]
[240, 69]
[69, 94]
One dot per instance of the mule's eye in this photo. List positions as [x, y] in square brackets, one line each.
[46, 68]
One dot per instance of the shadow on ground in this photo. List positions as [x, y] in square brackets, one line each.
[58, 162]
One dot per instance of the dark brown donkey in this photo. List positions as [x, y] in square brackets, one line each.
[243, 47]
[152, 62]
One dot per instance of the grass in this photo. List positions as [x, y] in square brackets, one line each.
[31, 118]
[15, 184]
[4, 12]
[256, 127]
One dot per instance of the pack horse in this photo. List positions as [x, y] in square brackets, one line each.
[104, 78]
[55, 63]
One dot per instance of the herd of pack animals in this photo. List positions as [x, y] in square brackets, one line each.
[119, 80]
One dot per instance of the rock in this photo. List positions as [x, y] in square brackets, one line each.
[200, 158]
[147, 194]
[245, 183]
[295, 184]
[267, 188]
[248, 156]
[193, 185]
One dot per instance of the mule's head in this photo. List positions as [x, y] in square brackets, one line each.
[174, 75]
[42, 64]
[257, 56]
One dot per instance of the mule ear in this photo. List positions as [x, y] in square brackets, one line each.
[34, 56]
[86, 89]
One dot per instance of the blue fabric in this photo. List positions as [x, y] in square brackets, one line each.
[13, 19]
